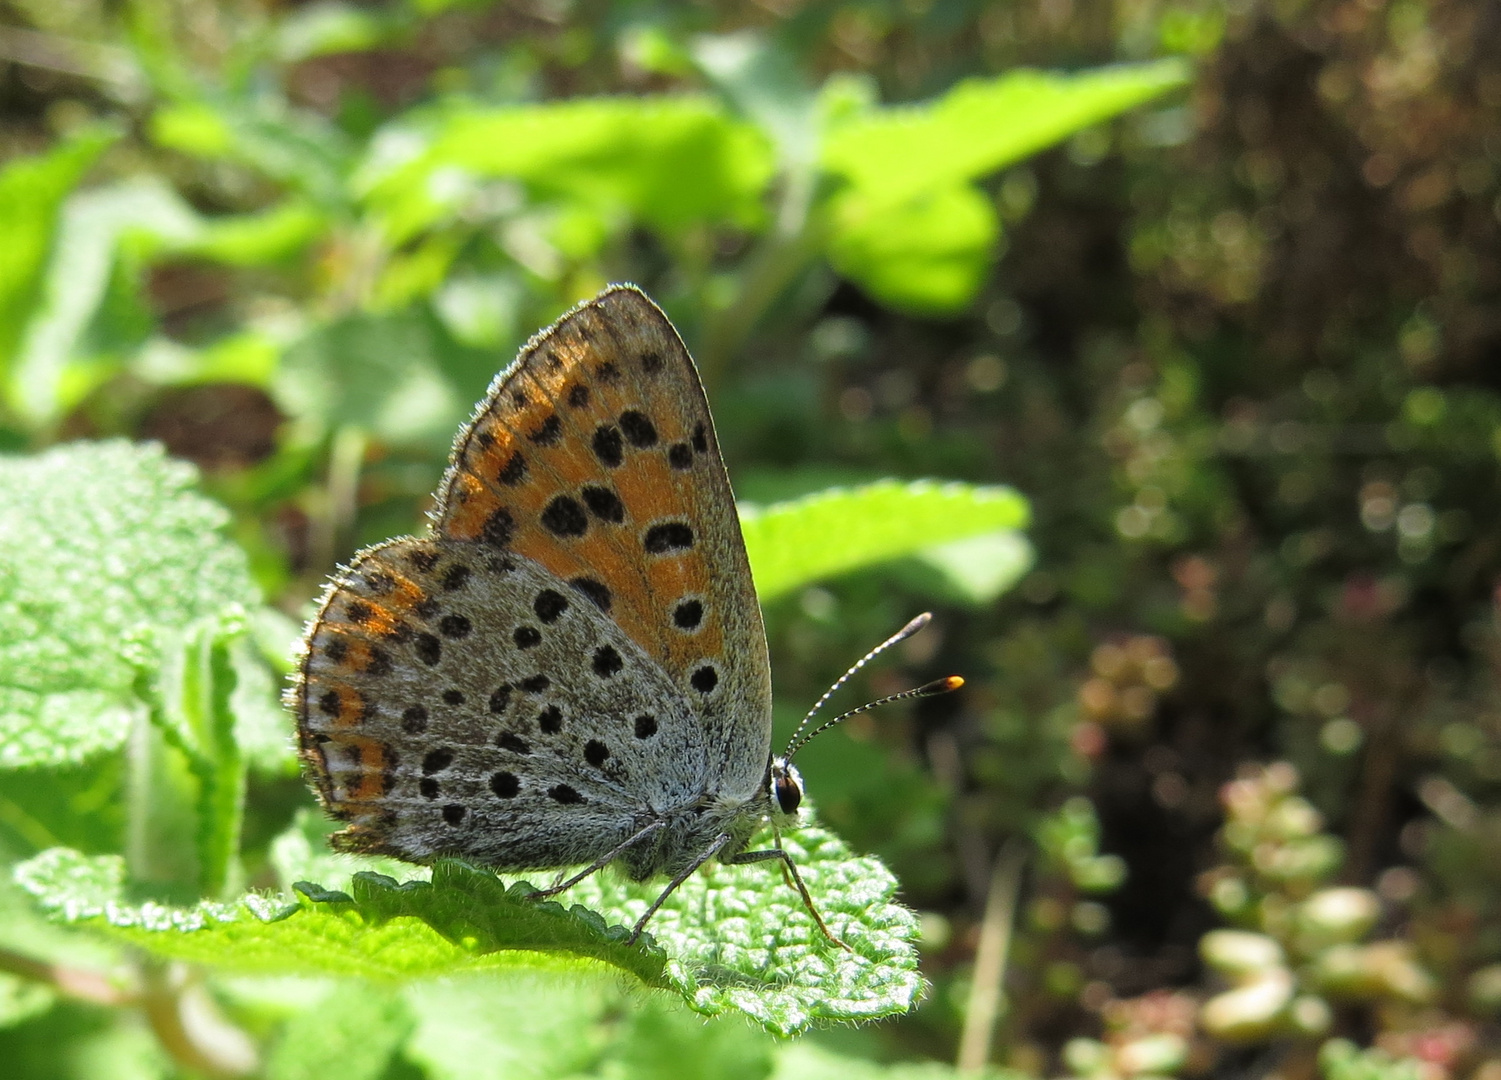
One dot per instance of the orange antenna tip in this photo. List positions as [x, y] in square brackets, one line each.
[939, 686]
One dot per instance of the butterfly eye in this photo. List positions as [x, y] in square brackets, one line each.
[788, 793]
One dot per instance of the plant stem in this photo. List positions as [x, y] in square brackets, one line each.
[986, 991]
[81, 984]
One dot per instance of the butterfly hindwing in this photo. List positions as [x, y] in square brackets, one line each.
[459, 700]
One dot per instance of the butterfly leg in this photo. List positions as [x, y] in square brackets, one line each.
[708, 853]
[788, 866]
[777, 843]
[601, 862]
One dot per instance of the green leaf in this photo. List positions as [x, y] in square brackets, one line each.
[105, 550]
[732, 939]
[523, 1026]
[541, 1025]
[980, 568]
[668, 162]
[792, 544]
[187, 774]
[928, 255]
[908, 227]
[32, 190]
[376, 374]
[21, 999]
[324, 28]
[50, 374]
[1340, 1059]
[296, 147]
[982, 125]
[763, 82]
[260, 239]
[352, 1034]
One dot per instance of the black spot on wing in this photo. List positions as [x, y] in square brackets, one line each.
[638, 429]
[608, 446]
[603, 503]
[428, 648]
[607, 661]
[667, 536]
[705, 679]
[513, 471]
[548, 432]
[499, 528]
[563, 516]
[688, 614]
[550, 605]
[597, 591]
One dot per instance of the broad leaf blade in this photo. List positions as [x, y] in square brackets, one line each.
[668, 162]
[732, 939]
[794, 543]
[908, 226]
[103, 547]
[982, 125]
[927, 255]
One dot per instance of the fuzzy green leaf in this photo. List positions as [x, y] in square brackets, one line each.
[794, 543]
[732, 939]
[104, 548]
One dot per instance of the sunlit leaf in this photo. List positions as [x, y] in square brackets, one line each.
[732, 939]
[667, 162]
[375, 373]
[259, 239]
[982, 125]
[907, 226]
[102, 547]
[795, 543]
[263, 134]
[329, 27]
[980, 568]
[929, 254]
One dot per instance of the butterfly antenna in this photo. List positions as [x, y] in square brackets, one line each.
[932, 689]
[895, 639]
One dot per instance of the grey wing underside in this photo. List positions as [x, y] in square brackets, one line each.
[474, 714]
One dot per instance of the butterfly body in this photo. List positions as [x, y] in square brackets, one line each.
[571, 668]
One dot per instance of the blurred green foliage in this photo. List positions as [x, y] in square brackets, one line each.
[1210, 288]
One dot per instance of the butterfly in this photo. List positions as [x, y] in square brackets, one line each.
[570, 668]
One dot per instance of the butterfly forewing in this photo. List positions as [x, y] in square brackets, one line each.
[595, 455]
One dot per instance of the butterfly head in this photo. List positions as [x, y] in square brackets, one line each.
[784, 788]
